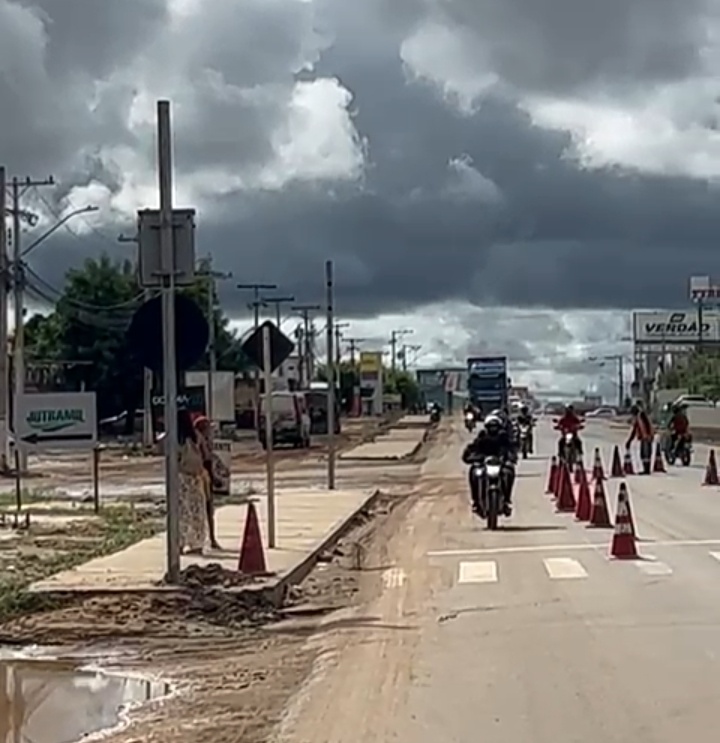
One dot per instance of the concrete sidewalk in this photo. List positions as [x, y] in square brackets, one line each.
[307, 521]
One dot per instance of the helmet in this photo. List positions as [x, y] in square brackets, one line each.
[570, 408]
[493, 423]
[524, 410]
[635, 410]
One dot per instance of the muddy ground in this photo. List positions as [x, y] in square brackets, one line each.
[237, 661]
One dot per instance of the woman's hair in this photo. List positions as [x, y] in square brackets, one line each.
[186, 429]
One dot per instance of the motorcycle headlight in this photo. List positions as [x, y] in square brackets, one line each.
[493, 470]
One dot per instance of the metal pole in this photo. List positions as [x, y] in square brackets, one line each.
[212, 360]
[18, 302]
[269, 453]
[169, 350]
[4, 381]
[393, 345]
[621, 383]
[147, 397]
[330, 376]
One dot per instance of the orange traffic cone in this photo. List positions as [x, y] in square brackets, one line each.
[711, 470]
[552, 477]
[616, 470]
[623, 545]
[658, 463]
[252, 554]
[584, 506]
[600, 514]
[565, 497]
[628, 468]
[598, 473]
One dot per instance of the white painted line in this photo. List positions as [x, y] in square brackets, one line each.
[563, 568]
[564, 547]
[478, 572]
[716, 555]
[394, 577]
[654, 567]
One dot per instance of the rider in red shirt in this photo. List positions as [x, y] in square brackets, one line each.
[570, 422]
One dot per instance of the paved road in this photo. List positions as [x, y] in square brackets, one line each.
[530, 634]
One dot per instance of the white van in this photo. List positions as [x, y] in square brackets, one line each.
[291, 421]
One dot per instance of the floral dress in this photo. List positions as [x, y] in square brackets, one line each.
[193, 522]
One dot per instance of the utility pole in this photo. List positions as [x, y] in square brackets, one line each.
[211, 277]
[255, 305]
[620, 360]
[18, 274]
[4, 285]
[408, 347]
[394, 337]
[354, 344]
[330, 374]
[278, 302]
[338, 337]
[305, 311]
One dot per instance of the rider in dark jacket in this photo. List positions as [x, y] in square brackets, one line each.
[492, 441]
[525, 418]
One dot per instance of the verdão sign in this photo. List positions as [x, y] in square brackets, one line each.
[668, 327]
[57, 420]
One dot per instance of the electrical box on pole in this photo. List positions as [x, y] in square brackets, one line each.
[150, 259]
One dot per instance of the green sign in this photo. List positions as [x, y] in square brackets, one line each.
[59, 419]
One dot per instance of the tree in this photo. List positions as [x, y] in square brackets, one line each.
[88, 326]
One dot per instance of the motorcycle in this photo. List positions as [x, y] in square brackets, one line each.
[570, 450]
[682, 450]
[435, 415]
[469, 422]
[493, 491]
[525, 440]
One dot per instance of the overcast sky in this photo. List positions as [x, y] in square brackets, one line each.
[560, 154]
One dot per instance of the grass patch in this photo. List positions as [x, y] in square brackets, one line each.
[116, 529]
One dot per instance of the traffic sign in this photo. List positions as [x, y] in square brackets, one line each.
[145, 335]
[56, 420]
[280, 346]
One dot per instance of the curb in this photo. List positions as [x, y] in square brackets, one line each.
[277, 592]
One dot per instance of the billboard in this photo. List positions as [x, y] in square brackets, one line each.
[430, 378]
[370, 363]
[667, 327]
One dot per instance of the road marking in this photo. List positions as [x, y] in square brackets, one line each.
[716, 555]
[563, 547]
[654, 567]
[478, 572]
[562, 568]
[394, 577]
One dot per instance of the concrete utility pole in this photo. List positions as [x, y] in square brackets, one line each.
[256, 304]
[4, 285]
[408, 347]
[619, 359]
[354, 344]
[18, 280]
[278, 302]
[338, 337]
[211, 277]
[330, 374]
[394, 337]
[305, 311]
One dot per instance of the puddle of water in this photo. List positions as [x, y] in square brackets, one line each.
[46, 700]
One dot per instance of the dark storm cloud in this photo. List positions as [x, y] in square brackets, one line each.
[513, 222]
[566, 45]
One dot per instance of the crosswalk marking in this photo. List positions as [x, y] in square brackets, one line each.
[561, 568]
[654, 568]
[478, 572]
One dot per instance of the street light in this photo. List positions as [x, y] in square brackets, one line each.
[619, 359]
[57, 226]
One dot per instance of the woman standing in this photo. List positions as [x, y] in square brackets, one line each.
[203, 429]
[192, 492]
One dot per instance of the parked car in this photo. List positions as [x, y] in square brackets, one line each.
[604, 412]
[291, 421]
[694, 401]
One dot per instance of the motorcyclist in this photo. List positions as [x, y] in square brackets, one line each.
[525, 418]
[492, 440]
[679, 425]
[569, 422]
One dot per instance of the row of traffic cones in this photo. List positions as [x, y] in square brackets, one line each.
[625, 467]
[594, 510]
